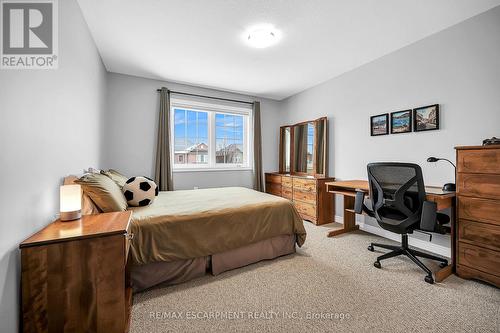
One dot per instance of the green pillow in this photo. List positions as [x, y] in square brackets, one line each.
[116, 176]
[104, 192]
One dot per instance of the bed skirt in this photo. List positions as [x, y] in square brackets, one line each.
[146, 276]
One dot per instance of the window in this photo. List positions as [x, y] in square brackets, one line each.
[209, 136]
[190, 136]
[228, 138]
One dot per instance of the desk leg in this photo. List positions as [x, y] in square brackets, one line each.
[443, 273]
[349, 218]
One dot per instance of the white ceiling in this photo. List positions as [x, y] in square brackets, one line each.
[200, 41]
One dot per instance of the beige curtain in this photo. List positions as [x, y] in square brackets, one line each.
[163, 166]
[258, 180]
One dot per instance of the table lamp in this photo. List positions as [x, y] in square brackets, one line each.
[70, 201]
[447, 186]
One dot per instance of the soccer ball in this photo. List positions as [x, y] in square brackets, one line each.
[140, 191]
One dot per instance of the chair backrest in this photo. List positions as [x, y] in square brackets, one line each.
[397, 192]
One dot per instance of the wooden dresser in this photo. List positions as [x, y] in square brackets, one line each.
[308, 194]
[74, 276]
[478, 190]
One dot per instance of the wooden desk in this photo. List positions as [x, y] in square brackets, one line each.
[347, 188]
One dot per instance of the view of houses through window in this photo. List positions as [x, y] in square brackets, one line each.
[228, 138]
[209, 138]
[191, 137]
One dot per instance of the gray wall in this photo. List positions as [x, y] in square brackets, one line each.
[53, 123]
[50, 124]
[131, 122]
[459, 68]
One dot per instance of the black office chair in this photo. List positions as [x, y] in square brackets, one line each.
[397, 201]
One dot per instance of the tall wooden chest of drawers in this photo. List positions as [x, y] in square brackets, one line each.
[308, 195]
[478, 208]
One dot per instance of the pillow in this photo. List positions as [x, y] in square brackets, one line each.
[140, 191]
[104, 192]
[92, 170]
[115, 176]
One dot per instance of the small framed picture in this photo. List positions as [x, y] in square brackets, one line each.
[401, 122]
[426, 118]
[379, 125]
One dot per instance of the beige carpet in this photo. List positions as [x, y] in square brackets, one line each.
[330, 284]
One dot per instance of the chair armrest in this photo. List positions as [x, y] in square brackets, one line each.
[359, 204]
[359, 201]
[428, 219]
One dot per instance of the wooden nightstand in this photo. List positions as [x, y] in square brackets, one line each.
[74, 276]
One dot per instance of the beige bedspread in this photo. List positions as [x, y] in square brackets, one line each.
[196, 223]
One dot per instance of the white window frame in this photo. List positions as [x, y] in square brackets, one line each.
[212, 109]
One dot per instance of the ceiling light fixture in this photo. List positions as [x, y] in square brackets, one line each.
[262, 36]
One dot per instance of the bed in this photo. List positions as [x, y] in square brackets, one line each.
[185, 234]
[182, 235]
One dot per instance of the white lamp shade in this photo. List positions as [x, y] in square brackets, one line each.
[70, 201]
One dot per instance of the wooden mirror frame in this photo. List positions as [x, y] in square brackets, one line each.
[315, 173]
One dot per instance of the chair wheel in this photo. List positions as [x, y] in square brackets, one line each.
[370, 248]
[377, 264]
[429, 279]
[443, 264]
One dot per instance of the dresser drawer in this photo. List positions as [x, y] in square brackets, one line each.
[308, 218]
[305, 185]
[273, 188]
[273, 178]
[471, 273]
[479, 258]
[479, 161]
[481, 234]
[483, 210]
[286, 181]
[479, 185]
[308, 197]
[305, 208]
[286, 192]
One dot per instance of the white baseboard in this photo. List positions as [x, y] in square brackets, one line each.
[418, 243]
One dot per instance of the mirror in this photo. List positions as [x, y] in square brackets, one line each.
[321, 147]
[303, 148]
[285, 149]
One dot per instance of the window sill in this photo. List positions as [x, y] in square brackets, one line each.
[211, 169]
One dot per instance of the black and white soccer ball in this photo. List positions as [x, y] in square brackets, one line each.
[140, 191]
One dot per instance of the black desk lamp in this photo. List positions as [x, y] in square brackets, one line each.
[447, 186]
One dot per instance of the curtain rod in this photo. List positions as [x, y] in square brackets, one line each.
[204, 96]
